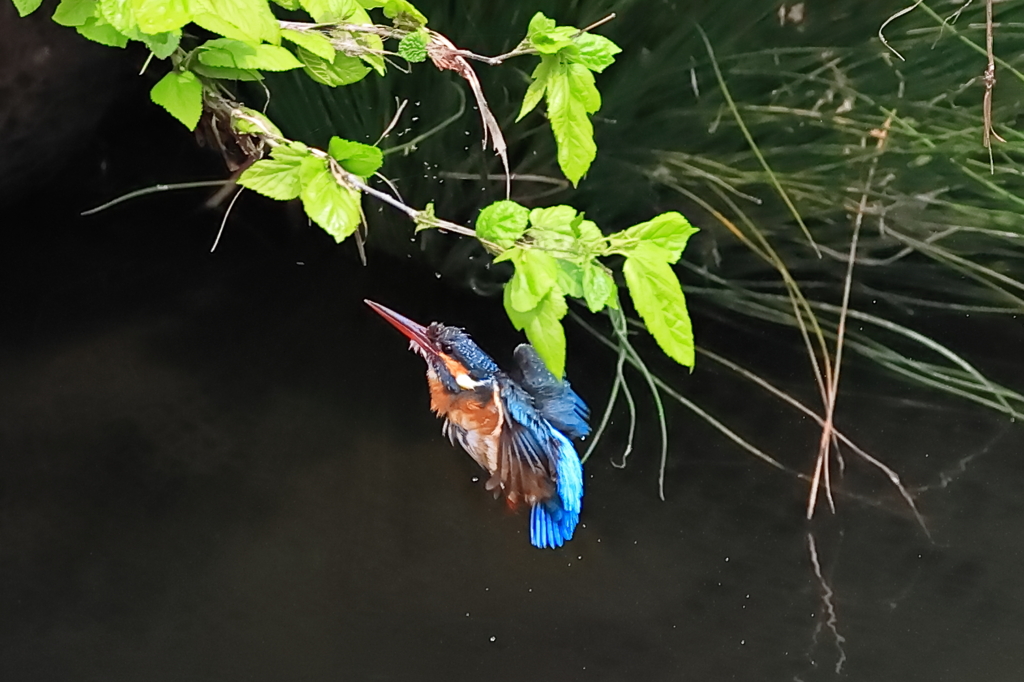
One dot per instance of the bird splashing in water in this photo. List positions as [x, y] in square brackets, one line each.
[517, 425]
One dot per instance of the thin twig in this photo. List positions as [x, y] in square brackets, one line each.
[153, 190]
[990, 82]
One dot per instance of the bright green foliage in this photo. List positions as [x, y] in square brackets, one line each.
[413, 47]
[100, 31]
[564, 76]
[404, 14]
[328, 11]
[74, 12]
[357, 158]
[658, 298]
[250, 21]
[227, 53]
[332, 206]
[313, 42]
[279, 177]
[556, 253]
[181, 94]
[160, 16]
[342, 70]
[162, 45]
[543, 327]
[669, 231]
[26, 7]
[502, 223]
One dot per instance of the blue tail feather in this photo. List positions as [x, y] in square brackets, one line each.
[553, 521]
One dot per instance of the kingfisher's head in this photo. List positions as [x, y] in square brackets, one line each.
[450, 353]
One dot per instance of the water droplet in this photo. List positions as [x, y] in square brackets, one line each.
[493, 638]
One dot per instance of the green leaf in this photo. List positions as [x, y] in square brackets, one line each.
[413, 47]
[582, 87]
[543, 327]
[250, 21]
[316, 43]
[342, 70]
[330, 11]
[289, 5]
[596, 52]
[98, 30]
[404, 14]
[536, 274]
[658, 297]
[669, 231]
[226, 74]
[181, 94]
[263, 127]
[570, 278]
[551, 229]
[160, 16]
[27, 7]
[162, 45]
[599, 288]
[119, 14]
[74, 12]
[236, 54]
[541, 76]
[279, 177]
[357, 158]
[502, 223]
[331, 206]
[589, 237]
[548, 38]
[573, 131]
[426, 219]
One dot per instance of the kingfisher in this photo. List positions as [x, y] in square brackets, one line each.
[517, 425]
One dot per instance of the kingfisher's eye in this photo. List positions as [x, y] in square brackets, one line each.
[446, 348]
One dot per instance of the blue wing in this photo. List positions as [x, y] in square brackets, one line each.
[553, 398]
[539, 464]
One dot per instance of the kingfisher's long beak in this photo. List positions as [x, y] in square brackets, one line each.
[416, 332]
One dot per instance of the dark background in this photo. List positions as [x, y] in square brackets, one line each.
[221, 466]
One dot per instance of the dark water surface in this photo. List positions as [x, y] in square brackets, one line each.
[222, 467]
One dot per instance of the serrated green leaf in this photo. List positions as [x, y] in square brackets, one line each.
[330, 11]
[277, 178]
[342, 70]
[27, 7]
[250, 21]
[357, 158]
[260, 125]
[288, 4]
[404, 14]
[536, 274]
[98, 30]
[502, 223]
[570, 278]
[160, 16]
[74, 12]
[162, 45]
[596, 52]
[551, 230]
[658, 297]
[316, 43]
[589, 237]
[413, 47]
[331, 206]
[426, 218]
[548, 38]
[181, 94]
[119, 14]
[599, 288]
[543, 327]
[669, 231]
[581, 84]
[235, 54]
[573, 131]
[541, 75]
